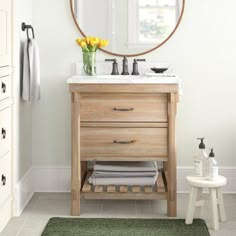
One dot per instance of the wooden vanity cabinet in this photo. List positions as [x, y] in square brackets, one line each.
[123, 122]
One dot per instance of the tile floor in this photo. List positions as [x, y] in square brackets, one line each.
[42, 206]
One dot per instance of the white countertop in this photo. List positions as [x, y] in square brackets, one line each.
[123, 79]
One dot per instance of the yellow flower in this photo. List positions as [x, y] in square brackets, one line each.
[103, 43]
[91, 43]
[94, 41]
[78, 40]
[82, 44]
[87, 39]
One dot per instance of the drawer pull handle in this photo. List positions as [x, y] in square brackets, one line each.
[124, 142]
[4, 87]
[123, 109]
[4, 180]
[4, 133]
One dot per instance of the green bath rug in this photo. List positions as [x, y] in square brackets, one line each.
[124, 227]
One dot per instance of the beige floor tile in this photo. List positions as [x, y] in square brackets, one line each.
[55, 195]
[43, 206]
[118, 209]
[91, 208]
[57, 206]
[29, 232]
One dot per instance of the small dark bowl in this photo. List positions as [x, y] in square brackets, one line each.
[159, 70]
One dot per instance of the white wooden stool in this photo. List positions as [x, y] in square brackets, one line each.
[216, 198]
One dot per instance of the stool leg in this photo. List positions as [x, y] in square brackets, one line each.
[221, 205]
[213, 200]
[191, 205]
[198, 198]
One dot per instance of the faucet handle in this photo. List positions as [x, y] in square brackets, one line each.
[114, 66]
[135, 66]
[110, 60]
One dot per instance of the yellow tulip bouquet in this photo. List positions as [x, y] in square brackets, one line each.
[89, 47]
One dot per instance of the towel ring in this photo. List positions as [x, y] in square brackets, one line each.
[27, 27]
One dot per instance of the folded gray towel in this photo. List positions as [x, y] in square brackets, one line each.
[125, 166]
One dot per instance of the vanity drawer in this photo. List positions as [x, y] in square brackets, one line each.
[124, 107]
[123, 142]
[5, 177]
[5, 214]
[5, 131]
[5, 87]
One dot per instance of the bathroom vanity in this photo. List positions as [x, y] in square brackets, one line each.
[123, 118]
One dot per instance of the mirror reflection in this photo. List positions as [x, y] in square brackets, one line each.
[131, 26]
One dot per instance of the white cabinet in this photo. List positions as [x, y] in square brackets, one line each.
[5, 131]
[5, 113]
[5, 33]
[5, 178]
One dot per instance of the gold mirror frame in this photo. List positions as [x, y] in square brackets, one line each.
[136, 54]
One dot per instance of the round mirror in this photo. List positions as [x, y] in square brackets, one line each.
[133, 27]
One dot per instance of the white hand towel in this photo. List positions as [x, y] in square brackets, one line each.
[34, 70]
[31, 71]
[26, 74]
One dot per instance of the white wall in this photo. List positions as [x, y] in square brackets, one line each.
[22, 111]
[202, 51]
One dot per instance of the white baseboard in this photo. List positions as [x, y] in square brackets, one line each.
[24, 192]
[52, 179]
[57, 179]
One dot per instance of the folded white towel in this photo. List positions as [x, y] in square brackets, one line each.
[141, 181]
[126, 166]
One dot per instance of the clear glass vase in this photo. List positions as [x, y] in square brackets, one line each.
[89, 61]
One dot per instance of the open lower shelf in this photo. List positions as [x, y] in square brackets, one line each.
[157, 191]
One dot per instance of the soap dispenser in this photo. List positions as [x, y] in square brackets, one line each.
[212, 166]
[200, 160]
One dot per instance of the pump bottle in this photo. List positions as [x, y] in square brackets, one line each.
[212, 166]
[200, 160]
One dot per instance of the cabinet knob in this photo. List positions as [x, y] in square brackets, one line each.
[4, 87]
[4, 133]
[4, 180]
[123, 109]
[124, 142]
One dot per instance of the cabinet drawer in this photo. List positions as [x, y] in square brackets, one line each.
[5, 177]
[5, 131]
[5, 87]
[123, 142]
[5, 213]
[124, 107]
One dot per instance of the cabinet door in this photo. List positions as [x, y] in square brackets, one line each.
[5, 33]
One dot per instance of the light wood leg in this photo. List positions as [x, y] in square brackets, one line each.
[191, 205]
[171, 168]
[214, 211]
[75, 155]
[221, 205]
